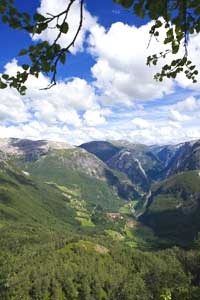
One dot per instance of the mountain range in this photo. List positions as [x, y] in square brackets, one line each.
[161, 184]
[96, 221]
[167, 178]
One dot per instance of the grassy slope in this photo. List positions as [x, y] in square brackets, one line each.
[56, 197]
[62, 171]
[24, 201]
[174, 208]
[32, 209]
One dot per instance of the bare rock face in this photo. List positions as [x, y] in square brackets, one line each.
[125, 161]
[135, 160]
[30, 149]
[179, 158]
[79, 159]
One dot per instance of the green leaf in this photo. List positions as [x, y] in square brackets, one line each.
[183, 61]
[30, 29]
[5, 76]
[173, 74]
[158, 24]
[3, 85]
[4, 19]
[175, 48]
[192, 68]
[23, 52]
[2, 9]
[139, 11]
[34, 70]
[63, 58]
[14, 23]
[64, 27]
[23, 90]
[170, 33]
[124, 3]
[25, 67]
[46, 66]
[13, 11]
[39, 18]
[188, 62]
[42, 27]
[167, 40]
[26, 17]
[166, 67]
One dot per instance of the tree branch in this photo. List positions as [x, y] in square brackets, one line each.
[66, 49]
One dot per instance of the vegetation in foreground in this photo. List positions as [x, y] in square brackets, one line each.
[65, 235]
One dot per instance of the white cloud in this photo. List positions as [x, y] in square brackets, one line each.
[71, 112]
[70, 117]
[175, 115]
[36, 130]
[12, 106]
[61, 104]
[140, 123]
[76, 112]
[120, 70]
[190, 104]
[55, 7]
[94, 118]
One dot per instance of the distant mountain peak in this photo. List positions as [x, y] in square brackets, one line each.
[15, 146]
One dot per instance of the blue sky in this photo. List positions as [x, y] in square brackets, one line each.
[105, 90]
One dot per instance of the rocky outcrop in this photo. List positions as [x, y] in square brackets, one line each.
[30, 149]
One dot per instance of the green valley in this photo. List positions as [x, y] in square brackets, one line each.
[67, 231]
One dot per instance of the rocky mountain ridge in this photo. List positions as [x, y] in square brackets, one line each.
[145, 164]
[150, 183]
[30, 148]
[142, 164]
[64, 156]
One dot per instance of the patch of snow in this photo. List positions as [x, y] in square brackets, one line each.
[123, 154]
[141, 168]
[59, 145]
[179, 205]
[25, 173]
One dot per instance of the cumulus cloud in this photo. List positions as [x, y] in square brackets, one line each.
[94, 118]
[62, 104]
[12, 107]
[140, 123]
[177, 116]
[55, 7]
[36, 130]
[190, 104]
[114, 106]
[71, 112]
[187, 110]
[120, 70]
[67, 112]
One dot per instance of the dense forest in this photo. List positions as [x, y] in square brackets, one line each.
[48, 265]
